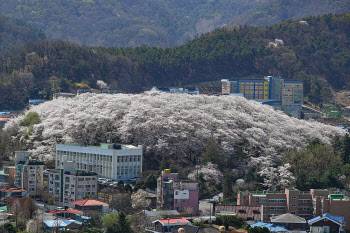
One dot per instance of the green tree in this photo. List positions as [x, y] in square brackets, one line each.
[123, 223]
[116, 223]
[151, 182]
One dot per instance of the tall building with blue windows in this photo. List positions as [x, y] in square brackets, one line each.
[286, 95]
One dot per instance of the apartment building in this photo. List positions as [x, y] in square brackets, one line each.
[289, 92]
[68, 184]
[112, 161]
[305, 204]
[28, 173]
[176, 194]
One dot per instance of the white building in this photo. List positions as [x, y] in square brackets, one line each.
[112, 161]
[179, 90]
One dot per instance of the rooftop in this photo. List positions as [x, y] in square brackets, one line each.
[270, 226]
[173, 221]
[240, 210]
[337, 219]
[109, 146]
[89, 202]
[69, 210]
[287, 218]
[12, 190]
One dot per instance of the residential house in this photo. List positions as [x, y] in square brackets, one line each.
[166, 225]
[248, 213]
[60, 224]
[35, 101]
[29, 173]
[327, 223]
[176, 194]
[90, 205]
[290, 222]
[12, 192]
[270, 226]
[196, 229]
[68, 184]
[111, 161]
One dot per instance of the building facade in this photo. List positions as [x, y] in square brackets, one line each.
[176, 194]
[112, 161]
[303, 204]
[68, 184]
[7, 176]
[29, 173]
[289, 92]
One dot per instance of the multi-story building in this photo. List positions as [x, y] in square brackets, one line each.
[304, 204]
[12, 192]
[289, 92]
[176, 194]
[29, 173]
[112, 161]
[68, 184]
[7, 176]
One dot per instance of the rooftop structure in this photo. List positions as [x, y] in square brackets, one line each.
[91, 205]
[178, 90]
[166, 225]
[112, 161]
[246, 212]
[270, 226]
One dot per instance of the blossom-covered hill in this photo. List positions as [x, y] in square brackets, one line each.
[172, 125]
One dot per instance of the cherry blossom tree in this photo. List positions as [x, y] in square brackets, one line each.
[277, 178]
[101, 84]
[210, 173]
[176, 125]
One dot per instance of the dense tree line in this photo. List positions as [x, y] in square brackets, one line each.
[312, 51]
[155, 22]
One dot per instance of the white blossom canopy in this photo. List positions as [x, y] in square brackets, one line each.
[175, 125]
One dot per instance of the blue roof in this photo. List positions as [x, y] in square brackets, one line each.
[338, 219]
[57, 223]
[36, 100]
[270, 226]
[1, 113]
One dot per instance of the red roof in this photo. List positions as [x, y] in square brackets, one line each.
[4, 119]
[173, 221]
[13, 190]
[89, 201]
[69, 210]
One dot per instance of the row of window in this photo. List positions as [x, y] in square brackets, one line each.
[277, 200]
[277, 208]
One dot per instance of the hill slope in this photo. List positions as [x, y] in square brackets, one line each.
[315, 51]
[168, 125]
[16, 33]
[155, 22]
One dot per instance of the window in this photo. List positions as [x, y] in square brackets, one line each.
[304, 200]
[293, 212]
[80, 186]
[294, 197]
[81, 179]
[305, 208]
[88, 178]
[294, 205]
[277, 200]
[81, 194]
[277, 208]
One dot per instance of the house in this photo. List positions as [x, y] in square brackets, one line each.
[111, 161]
[166, 225]
[7, 176]
[176, 194]
[196, 229]
[12, 192]
[62, 225]
[248, 213]
[160, 213]
[327, 223]
[270, 226]
[290, 222]
[71, 213]
[68, 184]
[90, 205]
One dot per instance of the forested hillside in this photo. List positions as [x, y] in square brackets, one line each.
[16, 33]
[155, 22]
[315, 50]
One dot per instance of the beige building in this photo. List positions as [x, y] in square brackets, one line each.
[112, 161]
[68, 184]
[29, 173]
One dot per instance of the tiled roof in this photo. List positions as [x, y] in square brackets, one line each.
[196, 229]
[89, 201]
[69, 210]
[12, 190]
[173, 221]
[4, 119]
[287, 218]
[240, 210]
